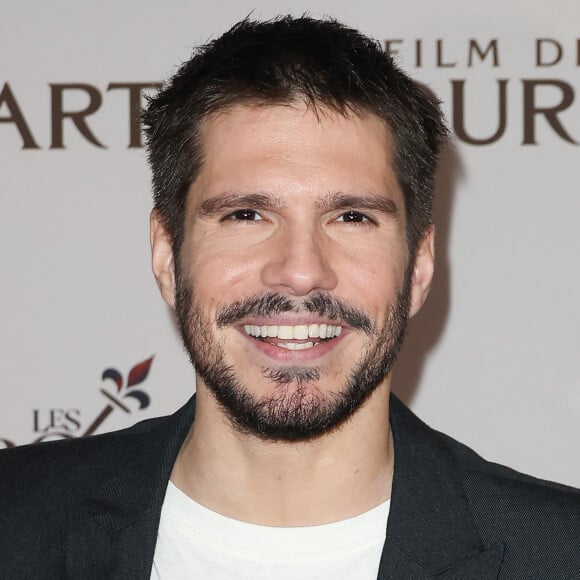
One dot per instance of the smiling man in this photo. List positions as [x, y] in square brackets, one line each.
[294, 279]
[293, 172]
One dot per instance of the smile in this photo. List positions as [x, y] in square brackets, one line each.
[301, 332]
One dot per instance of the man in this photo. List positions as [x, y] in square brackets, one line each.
[293, 168]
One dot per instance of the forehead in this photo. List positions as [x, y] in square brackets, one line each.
[292, 149]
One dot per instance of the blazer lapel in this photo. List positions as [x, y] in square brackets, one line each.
[397, 564]
[115, 530]
[430, 533]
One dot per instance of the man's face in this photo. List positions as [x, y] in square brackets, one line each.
[294, 280]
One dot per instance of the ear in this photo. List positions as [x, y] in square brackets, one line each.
[162, 259]
[423, 267]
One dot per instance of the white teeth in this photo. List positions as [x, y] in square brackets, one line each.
[296, 332]
[286, 332]
[296, 345]
[301, 332]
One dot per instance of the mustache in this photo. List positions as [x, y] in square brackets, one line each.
[271, 304]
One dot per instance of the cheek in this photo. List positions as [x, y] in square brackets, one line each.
[376, 275]
[222, 275]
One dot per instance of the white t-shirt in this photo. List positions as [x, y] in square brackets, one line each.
[196, 543]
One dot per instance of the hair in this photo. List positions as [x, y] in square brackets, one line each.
[284, 61]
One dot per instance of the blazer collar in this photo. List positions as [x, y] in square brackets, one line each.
[430, 533]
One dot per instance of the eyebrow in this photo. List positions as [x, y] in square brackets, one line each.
[231, 201]
[370, 201]
[332, 202]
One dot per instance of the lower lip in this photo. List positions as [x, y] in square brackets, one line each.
[293, 356]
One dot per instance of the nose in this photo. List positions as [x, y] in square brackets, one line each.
[300, 262]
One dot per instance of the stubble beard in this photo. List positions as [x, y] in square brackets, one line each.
[296, 410]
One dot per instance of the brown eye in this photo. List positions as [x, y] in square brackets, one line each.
[249, 215]
[353, 217]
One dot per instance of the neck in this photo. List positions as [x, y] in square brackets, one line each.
[336, 476]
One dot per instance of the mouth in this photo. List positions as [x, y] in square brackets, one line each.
[294, 337]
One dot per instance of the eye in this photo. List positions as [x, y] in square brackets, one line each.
[248, 215]
[353, 217]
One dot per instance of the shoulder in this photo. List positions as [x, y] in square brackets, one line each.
[488, 479]
[52, 494]
[49, 470]
[40, 486]
[482, 481]
[537, 520]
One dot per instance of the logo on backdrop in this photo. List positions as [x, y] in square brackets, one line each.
[11, 112]
[546, 101]
[120, 395]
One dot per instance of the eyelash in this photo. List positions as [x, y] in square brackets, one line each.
[238, 215]
[361, 218]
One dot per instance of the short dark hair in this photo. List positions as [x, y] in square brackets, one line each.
[282, 61]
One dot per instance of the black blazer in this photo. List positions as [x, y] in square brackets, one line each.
[89, 508]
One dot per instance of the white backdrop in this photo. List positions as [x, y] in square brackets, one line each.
[492, 359]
